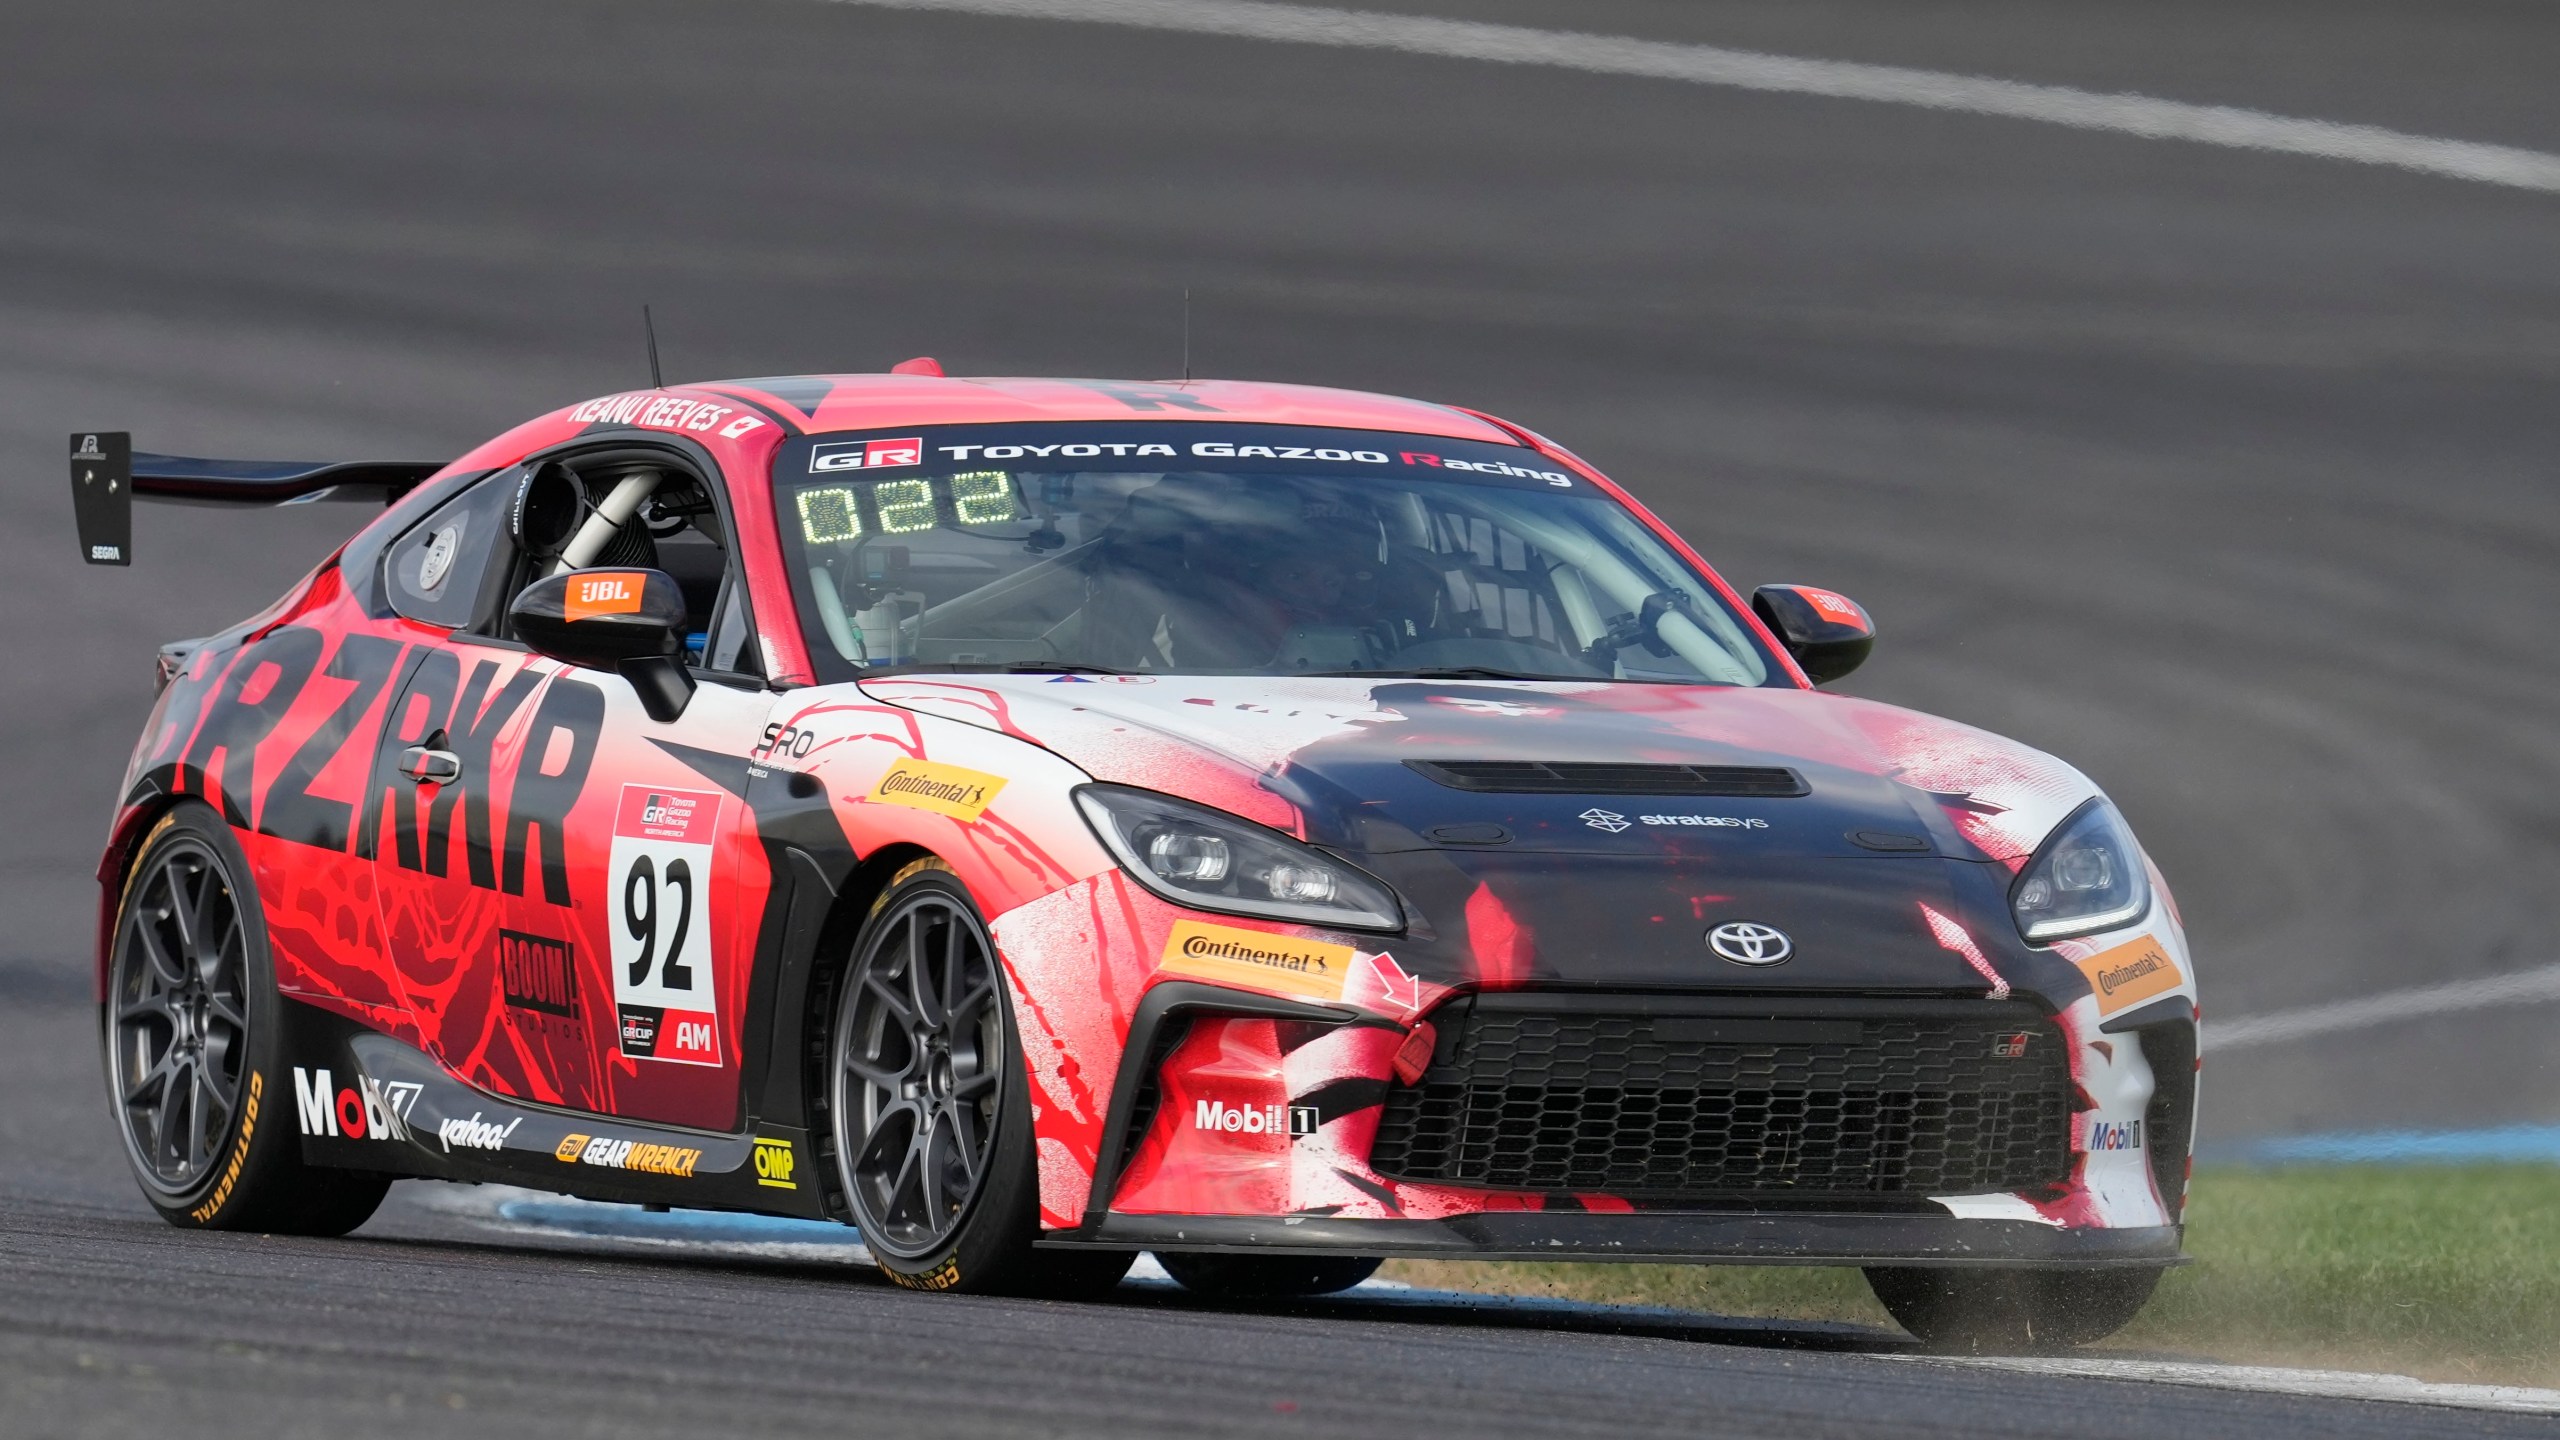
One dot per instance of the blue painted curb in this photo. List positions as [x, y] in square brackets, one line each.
[2502, 1144]
[631, 1222]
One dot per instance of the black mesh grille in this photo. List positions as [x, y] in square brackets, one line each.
[1812, 1100]
[1529, 777]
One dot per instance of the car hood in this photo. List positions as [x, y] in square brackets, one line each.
[1884, 870]
[1333, 760]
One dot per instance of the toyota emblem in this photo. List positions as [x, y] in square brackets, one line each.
[1746, 942]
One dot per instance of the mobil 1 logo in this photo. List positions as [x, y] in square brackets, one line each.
[659, 915]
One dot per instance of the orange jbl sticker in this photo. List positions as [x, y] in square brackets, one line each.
[1837, 608]
[608, 592]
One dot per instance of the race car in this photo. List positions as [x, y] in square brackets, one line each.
[1036, 821]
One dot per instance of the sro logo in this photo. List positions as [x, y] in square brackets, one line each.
[774, 1164]
[788, 740]
[368, 1110]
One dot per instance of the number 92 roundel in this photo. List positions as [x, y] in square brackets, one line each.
[658, 886]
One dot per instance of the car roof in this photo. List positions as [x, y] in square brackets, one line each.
[822, 403]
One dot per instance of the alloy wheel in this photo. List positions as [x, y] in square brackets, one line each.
[918, 1074]
[179, 1015]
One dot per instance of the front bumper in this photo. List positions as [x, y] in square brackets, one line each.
[1665, 1237]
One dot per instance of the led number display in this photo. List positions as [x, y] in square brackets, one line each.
[832, 514]
[905, 506]
[829, 515]
[983, 497]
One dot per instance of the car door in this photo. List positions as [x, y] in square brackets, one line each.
[566, 889]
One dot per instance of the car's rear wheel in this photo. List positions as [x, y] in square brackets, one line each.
[1268, 1277]
[930, 1109]
[192, 1029]
[2003, 1311]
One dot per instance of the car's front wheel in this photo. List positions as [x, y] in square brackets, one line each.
[929, 1109]
[194, 1049]
[2005, 1311]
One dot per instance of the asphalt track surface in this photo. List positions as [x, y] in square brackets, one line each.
[2228, 477]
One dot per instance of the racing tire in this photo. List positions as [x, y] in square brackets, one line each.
[1993, 1312]
[193, 1033]
[929, 1109]
[1268, 1277]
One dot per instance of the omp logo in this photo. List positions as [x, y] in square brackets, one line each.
[366, 1110]
[774, 1164]
[475, 1133]
[2135, 970]
[1254, 1119]
[612, 1154]
[963, 795]
[1230, 955]
[867, 455]
[2115, 1135]
[610, 593]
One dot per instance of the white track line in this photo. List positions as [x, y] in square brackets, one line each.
[2525, 987]
[2327, 1384]
[2139, 115]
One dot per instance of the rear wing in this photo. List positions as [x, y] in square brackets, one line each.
[107, 475]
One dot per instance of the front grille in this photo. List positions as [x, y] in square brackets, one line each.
[1697, 1098]
[1530, 777]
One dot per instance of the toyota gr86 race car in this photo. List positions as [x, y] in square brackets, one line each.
[1037, 821]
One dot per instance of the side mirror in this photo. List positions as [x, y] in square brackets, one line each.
[1826, 631]
[631, 622]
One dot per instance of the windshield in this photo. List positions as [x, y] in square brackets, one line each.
[1234, 550]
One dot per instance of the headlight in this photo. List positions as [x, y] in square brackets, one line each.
[1210, 860]
[2086, 877]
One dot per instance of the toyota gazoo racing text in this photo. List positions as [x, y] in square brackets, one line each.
[1036, 821]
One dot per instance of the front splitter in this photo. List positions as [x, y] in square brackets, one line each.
[1672, 1238]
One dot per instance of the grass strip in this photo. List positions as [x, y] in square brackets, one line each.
[2444, 1273]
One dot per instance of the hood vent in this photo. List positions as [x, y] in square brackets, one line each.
[1530, 777]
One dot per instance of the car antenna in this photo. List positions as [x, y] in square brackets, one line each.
[649, 326]
[1186, 334]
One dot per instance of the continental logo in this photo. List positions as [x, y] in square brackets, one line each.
[1226, 955]
[221, 1195]
[2135, 970]
[774, 1164]
[963, 795]
[612, 1154]
[940, 1277]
